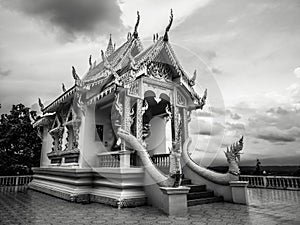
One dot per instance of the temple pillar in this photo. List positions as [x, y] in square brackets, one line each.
[139, 118]
[185, 124]
[46, 145]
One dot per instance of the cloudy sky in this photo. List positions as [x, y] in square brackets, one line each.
[247, 53]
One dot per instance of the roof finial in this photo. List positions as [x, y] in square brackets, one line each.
[166, 38]
[41, 105]
[192, 81]
[90, 60]
[63, 87]
[110, 47]
[135, 33]
[77, 79]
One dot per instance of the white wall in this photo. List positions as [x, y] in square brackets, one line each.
[156, 142]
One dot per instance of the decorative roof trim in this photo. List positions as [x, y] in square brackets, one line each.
[101, 95]
[44, 120]
[60, 99]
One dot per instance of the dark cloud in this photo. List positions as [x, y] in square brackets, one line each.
[4, 73]
[217, 111]
[202, 114]
[216, 70]
[202, 127]
[276, 137]
[72, 17]
[278, 110]
[210, 55]
[235, 116]
[235, 126]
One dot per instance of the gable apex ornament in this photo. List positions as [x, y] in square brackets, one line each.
[192, 81]
[135, 33]
[166, 37]
[63, 87]
[77, 79]
[41, 104]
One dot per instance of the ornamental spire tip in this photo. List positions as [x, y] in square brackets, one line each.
[166, 38]
[135, 33]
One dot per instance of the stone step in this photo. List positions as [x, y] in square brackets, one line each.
[200, 201]
[198, 195]
[185, 182]
[196, 188]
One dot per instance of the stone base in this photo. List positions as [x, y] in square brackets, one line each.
[113, 186]
[175, 200]
[239, 192]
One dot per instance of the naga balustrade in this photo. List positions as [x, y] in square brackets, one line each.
[276, 182]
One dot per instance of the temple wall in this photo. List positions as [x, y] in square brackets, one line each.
[46, 148]
[153, 192]
[89, 148]
[157, 143]
[102, 117]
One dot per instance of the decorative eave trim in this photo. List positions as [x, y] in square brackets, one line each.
[45, 120]
[60, 99]
[101, 95]
[190, 89]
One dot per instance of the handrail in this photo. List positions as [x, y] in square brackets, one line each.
[276, 182]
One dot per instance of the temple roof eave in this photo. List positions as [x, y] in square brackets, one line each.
[62, 98]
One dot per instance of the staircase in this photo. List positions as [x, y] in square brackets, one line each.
[198, 194]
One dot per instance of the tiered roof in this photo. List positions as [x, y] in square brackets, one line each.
[117, 62]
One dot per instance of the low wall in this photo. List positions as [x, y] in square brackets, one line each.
[275, 182]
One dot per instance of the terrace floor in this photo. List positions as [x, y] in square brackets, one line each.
[266, 207]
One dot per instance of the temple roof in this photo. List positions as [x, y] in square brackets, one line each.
[98, 72]
[130, 56]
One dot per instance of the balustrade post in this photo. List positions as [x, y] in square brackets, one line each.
[125, 159]
[17, 183]
[265, 181]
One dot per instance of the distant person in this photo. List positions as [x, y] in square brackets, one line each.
[257, 169]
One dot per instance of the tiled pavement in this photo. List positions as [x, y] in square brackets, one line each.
[267, 207]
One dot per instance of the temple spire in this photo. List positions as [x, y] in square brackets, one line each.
[135, 33]
[166, 38]
[110, 47]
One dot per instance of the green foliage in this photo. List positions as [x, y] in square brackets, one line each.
[20, 145]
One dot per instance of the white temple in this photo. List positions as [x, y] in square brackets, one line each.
[119, 136]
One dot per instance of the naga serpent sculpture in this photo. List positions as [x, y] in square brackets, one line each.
[162, 180]
[233, 157]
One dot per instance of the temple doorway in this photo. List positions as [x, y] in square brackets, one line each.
[159, 138]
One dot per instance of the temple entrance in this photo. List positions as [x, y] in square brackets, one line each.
[159, 138]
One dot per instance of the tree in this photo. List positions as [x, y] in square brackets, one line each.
[20, 145]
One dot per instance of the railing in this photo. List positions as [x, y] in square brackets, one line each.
[276, 182]
[162, 160]
[119, 159]
[14, 183]
[109, 159]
